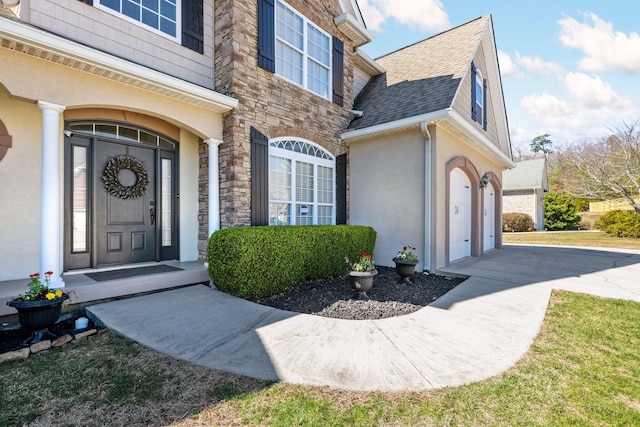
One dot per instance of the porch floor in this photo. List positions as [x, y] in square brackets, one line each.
[83, 290]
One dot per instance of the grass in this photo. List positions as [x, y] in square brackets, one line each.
[571, 238]
[583, 369]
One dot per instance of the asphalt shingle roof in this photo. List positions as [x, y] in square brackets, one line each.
[526, 174]
[420, 78]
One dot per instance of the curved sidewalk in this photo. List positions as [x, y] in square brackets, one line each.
[477, 330]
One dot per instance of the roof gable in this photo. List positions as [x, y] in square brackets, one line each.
[420, 78]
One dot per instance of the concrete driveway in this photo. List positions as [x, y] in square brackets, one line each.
[476, 331]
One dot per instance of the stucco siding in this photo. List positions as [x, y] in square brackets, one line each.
[112, 33]
[20, 168]
[387, 192]
[445, 148]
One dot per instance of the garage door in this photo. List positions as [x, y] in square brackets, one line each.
[489, 219]
[459, 215]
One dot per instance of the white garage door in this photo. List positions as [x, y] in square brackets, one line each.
[459, 215]
[489, 222]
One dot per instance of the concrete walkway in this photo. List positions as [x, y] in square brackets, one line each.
[478, 330]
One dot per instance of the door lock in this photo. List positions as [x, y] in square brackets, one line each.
[152, 215]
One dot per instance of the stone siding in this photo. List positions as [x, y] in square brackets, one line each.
[273, 105]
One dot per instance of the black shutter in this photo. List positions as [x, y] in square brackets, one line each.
[259, 178]
[474, 113]
[484, 102]
[89, 2]
[338, 71]
[193, 25]
[266, 35]
[341, 189]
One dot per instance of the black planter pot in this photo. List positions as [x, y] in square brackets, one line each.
[361, 282]
[405, 269]
[36, 315]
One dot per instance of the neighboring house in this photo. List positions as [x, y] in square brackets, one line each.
[426, 157]
[130, 132]
[524, 188]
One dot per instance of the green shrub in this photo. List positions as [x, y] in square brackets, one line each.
[516, 221]
[560, 212]
[259, 262]
[620, 223]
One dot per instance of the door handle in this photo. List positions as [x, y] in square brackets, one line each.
[152, 215]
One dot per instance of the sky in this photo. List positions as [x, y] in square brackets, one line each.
[570, 68]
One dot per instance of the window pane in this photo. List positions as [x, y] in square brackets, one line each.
[166, 194]
[152, 5]
[168, 27]
[148, 138]
[128, 134]
[304, 214]
[131, 9]
[304, 182]
[325, 185]
[318, 79]
[318, 45]
[111, 4]
[279, 178]
[289, 26]
[325, 215]
[289, 63]
[106, 130]
[79, 226]
[150, 18]
[279, 214]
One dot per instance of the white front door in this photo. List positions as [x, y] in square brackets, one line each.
[459, 215]
[489, 218]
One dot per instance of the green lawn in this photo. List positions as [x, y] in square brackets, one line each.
[583, 369]
[571, 238]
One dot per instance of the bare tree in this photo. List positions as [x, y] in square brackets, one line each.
[606, 168]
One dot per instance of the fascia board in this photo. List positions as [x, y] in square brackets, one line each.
[147, 78]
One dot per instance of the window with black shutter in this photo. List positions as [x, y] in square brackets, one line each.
[266, 36]
[338, 71]
[341, 189]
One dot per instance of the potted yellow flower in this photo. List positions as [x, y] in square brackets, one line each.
[40, 306]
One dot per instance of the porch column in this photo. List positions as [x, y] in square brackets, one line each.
[50, 203]
[214, 185]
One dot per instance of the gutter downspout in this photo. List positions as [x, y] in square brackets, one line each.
[427, 196]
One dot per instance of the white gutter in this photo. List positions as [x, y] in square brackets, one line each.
[477, 139]
[108, 65]
[426, 265]
[394, 126]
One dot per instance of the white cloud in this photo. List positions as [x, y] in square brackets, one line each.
[605, 49]
[427, 15]
[537, 65]
[507, 66]
[592, 92]
[545, 107]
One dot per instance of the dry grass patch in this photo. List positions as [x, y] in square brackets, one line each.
[571, 238]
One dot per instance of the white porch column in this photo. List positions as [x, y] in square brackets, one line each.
[50, 203]
[214, 184]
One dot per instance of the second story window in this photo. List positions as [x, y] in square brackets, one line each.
[478, 97]
[303, 51]
[161, 15]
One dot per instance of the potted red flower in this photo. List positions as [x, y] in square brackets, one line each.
[361, 274]
[40, 306]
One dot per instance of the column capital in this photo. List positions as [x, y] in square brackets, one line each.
[44, 105]
[213, 141]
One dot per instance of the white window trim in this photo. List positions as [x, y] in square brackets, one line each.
[316, 161]
[305, 56]
[178, 36]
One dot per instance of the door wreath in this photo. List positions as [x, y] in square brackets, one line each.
[112, 182]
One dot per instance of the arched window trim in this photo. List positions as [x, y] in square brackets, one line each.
[302, 150]
[81, 126]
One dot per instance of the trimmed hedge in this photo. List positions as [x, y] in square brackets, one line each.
[259, 262]
[516, 221]
[620, 223]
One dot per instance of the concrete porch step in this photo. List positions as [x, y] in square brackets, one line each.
[84, 290]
